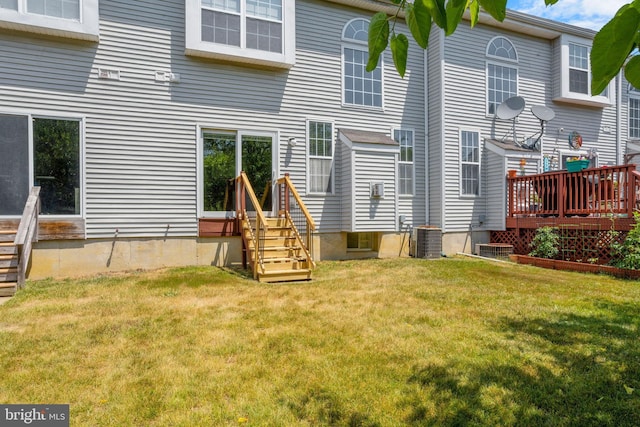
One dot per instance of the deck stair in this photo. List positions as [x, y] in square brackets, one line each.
[280, 256]
[8, 263]
[273, 247]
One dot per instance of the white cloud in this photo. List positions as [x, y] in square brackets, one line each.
[583, 13]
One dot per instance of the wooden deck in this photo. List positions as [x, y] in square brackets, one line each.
[585, 206]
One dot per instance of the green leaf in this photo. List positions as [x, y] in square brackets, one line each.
[550, 2]
[400, 50]
[628, 389]
[612, 45]
[438, 12]
[455, 9]
[474, 8]
[632, 71]
[378, 38]
[495, 8]
[418, 20]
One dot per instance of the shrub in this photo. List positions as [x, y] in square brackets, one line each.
[627, 253]
[545, 243]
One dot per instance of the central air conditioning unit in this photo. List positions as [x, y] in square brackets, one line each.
[426, 242]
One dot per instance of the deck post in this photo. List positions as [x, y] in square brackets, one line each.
[511, 192]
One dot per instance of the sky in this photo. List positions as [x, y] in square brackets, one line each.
[591, 14]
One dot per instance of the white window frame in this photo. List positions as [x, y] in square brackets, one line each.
[564, 93]
[200, 128]
[85, 28]
[404, 162]
[350, 43]
[462, 162]
[31, 115]
[309, 156]
[195, 46]
[634, 95]
[563, 155]
[500, 61]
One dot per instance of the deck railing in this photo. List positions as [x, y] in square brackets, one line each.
[246, 201]
[27, 234]
[290, 206]
[601, 191]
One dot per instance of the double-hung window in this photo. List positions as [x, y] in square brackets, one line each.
[320, 140]
[360, 87]
[254, 31]
[405, 161]
[634, 112]
[65, 18]
[573, 71]
[469, 163]
[502, 73]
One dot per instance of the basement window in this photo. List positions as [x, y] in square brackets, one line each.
[360, 241]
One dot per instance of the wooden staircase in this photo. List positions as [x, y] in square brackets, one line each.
[8, 263]
[280, 256]
[273, 247]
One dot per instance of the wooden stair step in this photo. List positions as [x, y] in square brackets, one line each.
[8, 289]
[285, 275]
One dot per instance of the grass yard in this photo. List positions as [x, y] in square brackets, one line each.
[367, 343]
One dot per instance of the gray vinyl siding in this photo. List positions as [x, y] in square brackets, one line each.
[375, 214]
[141, 135]
[495, 185]
[464, 104]
[346, 182]
[435, 112]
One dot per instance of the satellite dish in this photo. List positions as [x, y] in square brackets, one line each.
[510, 108]
[543, 113]
[575, 140]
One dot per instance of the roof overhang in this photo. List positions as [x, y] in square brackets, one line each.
[367, 140]
[514, 21]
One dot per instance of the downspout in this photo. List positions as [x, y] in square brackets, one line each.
[442, 133]
[619, 154]
[427, 195]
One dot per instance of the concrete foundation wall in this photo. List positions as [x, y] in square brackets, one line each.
[453, 243]
[75, 258]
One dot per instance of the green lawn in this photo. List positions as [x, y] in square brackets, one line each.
[455, 341]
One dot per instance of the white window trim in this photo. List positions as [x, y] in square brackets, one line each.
[354, 44]
[633, 93]
[460, 163]
[195, 46]
[275, 166]
[82, 159]
[413, 162]
[87, 28]
[308, 157]
[565, 95]
[506, 64]
[574, 153]
[501, 58]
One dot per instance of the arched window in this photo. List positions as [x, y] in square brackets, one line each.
[360, 87]
[502, 48]
[502, 74]
[634, 112]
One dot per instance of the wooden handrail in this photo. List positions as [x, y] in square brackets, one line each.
[244, 184]
[27, 233]
[244, 181]
[285, 180]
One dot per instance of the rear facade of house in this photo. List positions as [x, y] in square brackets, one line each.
[133, 116]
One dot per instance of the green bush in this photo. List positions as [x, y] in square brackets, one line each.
[627, 253]
[545, 243]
